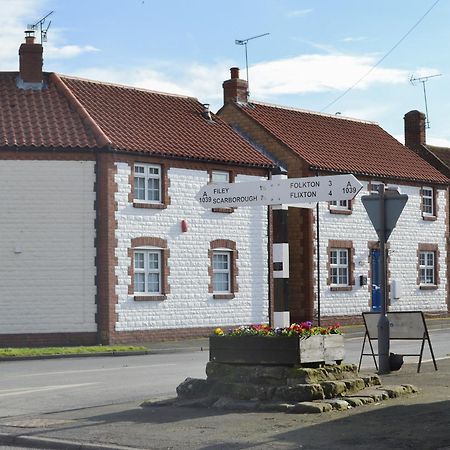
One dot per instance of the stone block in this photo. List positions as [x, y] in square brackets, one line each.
[192, 388]
[310, 408]
[333, 389]
[299, 392]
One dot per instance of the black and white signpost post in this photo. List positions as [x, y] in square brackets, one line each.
[384, 207]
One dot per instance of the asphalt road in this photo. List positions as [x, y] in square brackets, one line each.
[41, 386]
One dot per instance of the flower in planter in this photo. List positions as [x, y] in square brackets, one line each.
[302, 330]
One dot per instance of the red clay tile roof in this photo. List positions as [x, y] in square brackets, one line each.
[338, 144]
[38, 118]
[71, 113]
[443, 153]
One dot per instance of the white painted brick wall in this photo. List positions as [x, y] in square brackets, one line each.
[189, 304]
[47, 248]
[410, 231]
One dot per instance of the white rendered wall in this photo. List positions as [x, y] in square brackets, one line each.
[411, 230]
[189, 304]
[47, 270]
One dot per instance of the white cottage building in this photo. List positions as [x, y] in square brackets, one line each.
[334, 249]
[101, 238]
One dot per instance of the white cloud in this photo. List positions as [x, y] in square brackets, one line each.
[319, 73]
[16, 15]
[439, 142]
[194, 80]
[67, 51]
[299, 12]
[354, 39]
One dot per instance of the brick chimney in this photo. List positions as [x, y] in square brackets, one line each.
[415, 129]
[30, 63]
[235, 89]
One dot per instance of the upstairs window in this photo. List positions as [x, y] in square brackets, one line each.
[340, 206]
[147, 183]
[428, 203]
[220, 176]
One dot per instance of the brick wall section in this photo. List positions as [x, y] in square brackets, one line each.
[189, 306]
[300, 222]
[402, 256]
[106, 244]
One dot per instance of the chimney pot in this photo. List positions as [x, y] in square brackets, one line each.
[234, 72]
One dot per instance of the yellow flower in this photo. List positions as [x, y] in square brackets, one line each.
[218, 332]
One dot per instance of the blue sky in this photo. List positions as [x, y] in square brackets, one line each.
[315, 51]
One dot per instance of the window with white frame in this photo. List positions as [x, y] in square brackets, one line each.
[147, 183]
[339, 267]
[147, 271]
[220, 176]
[340, 204]
[427, 265]
[221, 266]
[427, 201]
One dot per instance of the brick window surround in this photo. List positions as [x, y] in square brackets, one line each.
[231, 246]
[157, 243]
[337, 244]
[433, 215]
[232, 177]
[165, 183]
[432, 248]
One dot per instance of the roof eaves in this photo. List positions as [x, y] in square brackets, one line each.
[381, 176]
[100, 137]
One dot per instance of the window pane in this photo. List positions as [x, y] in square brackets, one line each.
[220, 282]
[139, 188]
[220, 261]
[430, 259]
[153, 170]
[153, 189]
[153, 261]
[139, 282]
[220, 177]
[333, 257]
[139, 169]
[153, 282]
[138, 260]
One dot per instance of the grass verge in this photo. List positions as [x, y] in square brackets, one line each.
[49, 351]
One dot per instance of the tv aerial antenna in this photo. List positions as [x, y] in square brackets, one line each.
[244, 42]
[423, 80]
[39, 25]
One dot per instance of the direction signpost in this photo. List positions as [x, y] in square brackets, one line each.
[271, 192]
[384, 208]
[297, 192]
